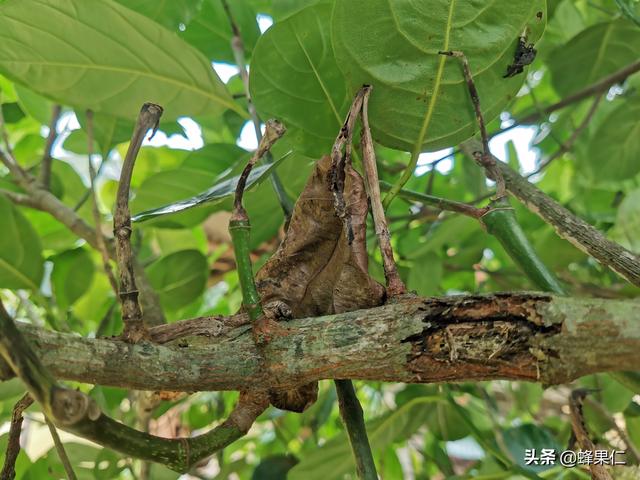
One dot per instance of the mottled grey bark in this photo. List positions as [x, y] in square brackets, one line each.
[521, 336]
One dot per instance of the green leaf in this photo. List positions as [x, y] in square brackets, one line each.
[99, 55]
[420, 99]
[108, 131]
[170, 13]
[294, 77]
[217, 193]
[274, 467]
[334, 459]
[179, 278]
[21, 262]
[71, 276]
[425, 274]
[593, 54]
[445, 423]
[210, 30]
[614, 148]
[34, 105]
[528, 436]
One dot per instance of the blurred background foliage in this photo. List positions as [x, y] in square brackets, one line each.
[306, 58]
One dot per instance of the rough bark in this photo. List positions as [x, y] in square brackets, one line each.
[526, 336]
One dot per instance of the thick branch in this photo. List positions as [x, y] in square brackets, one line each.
[535, 337]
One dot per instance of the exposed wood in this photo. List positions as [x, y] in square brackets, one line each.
[521, 336]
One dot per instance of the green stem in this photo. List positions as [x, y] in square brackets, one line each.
[351, 413]
[240, 230]
[501, 222]
[440, 203]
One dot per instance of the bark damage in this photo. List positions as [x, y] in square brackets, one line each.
[481, 338]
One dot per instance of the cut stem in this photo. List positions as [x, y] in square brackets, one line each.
[134, 328]
[501, 222]
[240, 227]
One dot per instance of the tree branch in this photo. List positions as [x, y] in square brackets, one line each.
[520, 336]
[570, 227]
[78, 413]
[601, 86]
[240, 228]
[134, 328]
[13, 442]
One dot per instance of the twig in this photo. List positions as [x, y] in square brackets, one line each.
[7, 158]
[566, 146]
[395, 285]
[351, 413]
[240, 228]
[102, 246]
[237, 46]
[13, 442]
[484, 158]
[45, 165]
[598, 472]
[78, 413]
[600, 86]
[134, 328]
[631, 452]
[62, 454]
[440, 203]
[568, 226]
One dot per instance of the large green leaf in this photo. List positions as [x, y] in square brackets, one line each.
[179, 278]
[628, 221]
[294, 77]
[594, 53]
[188, 180]
[100, 55]
[210, 30]
[71, 276]
[614, 148]
[170, 13]
[528, 436]
[419, 98]
[21, 262]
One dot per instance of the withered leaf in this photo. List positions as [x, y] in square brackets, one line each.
[316, 270]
